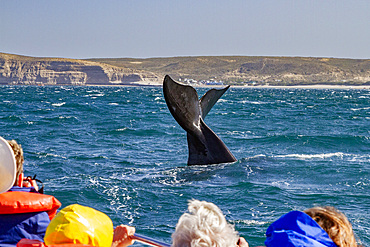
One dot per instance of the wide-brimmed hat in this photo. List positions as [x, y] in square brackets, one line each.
[8, 166]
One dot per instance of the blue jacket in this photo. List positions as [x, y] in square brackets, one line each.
[297, 229]
[14, 227]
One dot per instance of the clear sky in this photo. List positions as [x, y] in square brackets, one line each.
[165, 28]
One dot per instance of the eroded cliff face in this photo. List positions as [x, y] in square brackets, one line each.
[235, 70]
[23, 70]
[239, 70]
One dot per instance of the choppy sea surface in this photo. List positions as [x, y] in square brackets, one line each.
[119, 150]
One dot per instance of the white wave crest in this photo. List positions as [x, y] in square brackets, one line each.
[122, 129]
[359, 109]
[254, 102]
[58, 104]
[312, 156]
[251, 222]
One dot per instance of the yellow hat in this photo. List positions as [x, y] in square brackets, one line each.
[76, 224]
[8, 166]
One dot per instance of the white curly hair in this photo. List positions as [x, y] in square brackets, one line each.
[204, 225]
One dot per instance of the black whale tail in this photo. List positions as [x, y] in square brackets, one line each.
[205, 147]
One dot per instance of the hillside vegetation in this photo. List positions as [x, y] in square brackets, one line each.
[260, 70]
[236, 70]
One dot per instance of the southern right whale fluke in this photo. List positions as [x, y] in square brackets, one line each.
[205, 147]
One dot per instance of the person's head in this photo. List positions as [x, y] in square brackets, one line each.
[7, 166]
[76, 224]
[204, 225]
[335, 224]
[18, 153]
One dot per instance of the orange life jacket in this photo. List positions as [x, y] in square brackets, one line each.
[35, 243]
[17, 202]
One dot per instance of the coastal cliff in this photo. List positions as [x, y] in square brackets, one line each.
[284, 71]
[233, 70]
[16, 69]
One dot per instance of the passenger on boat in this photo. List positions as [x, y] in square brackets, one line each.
[335, 223]
[315, 227]
[205, 225]
[20, 180]
[77, 225]
[24, 213]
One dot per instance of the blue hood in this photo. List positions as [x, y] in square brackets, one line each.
[297, 229]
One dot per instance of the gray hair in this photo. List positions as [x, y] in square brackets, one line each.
[204, 225]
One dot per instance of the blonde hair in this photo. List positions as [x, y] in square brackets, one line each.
[18, 153]
[335, 224]
[204, 225]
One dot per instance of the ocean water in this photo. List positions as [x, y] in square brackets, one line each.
[119, 150]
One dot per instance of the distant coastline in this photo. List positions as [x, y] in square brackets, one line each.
[241, 71]
[315, 86]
